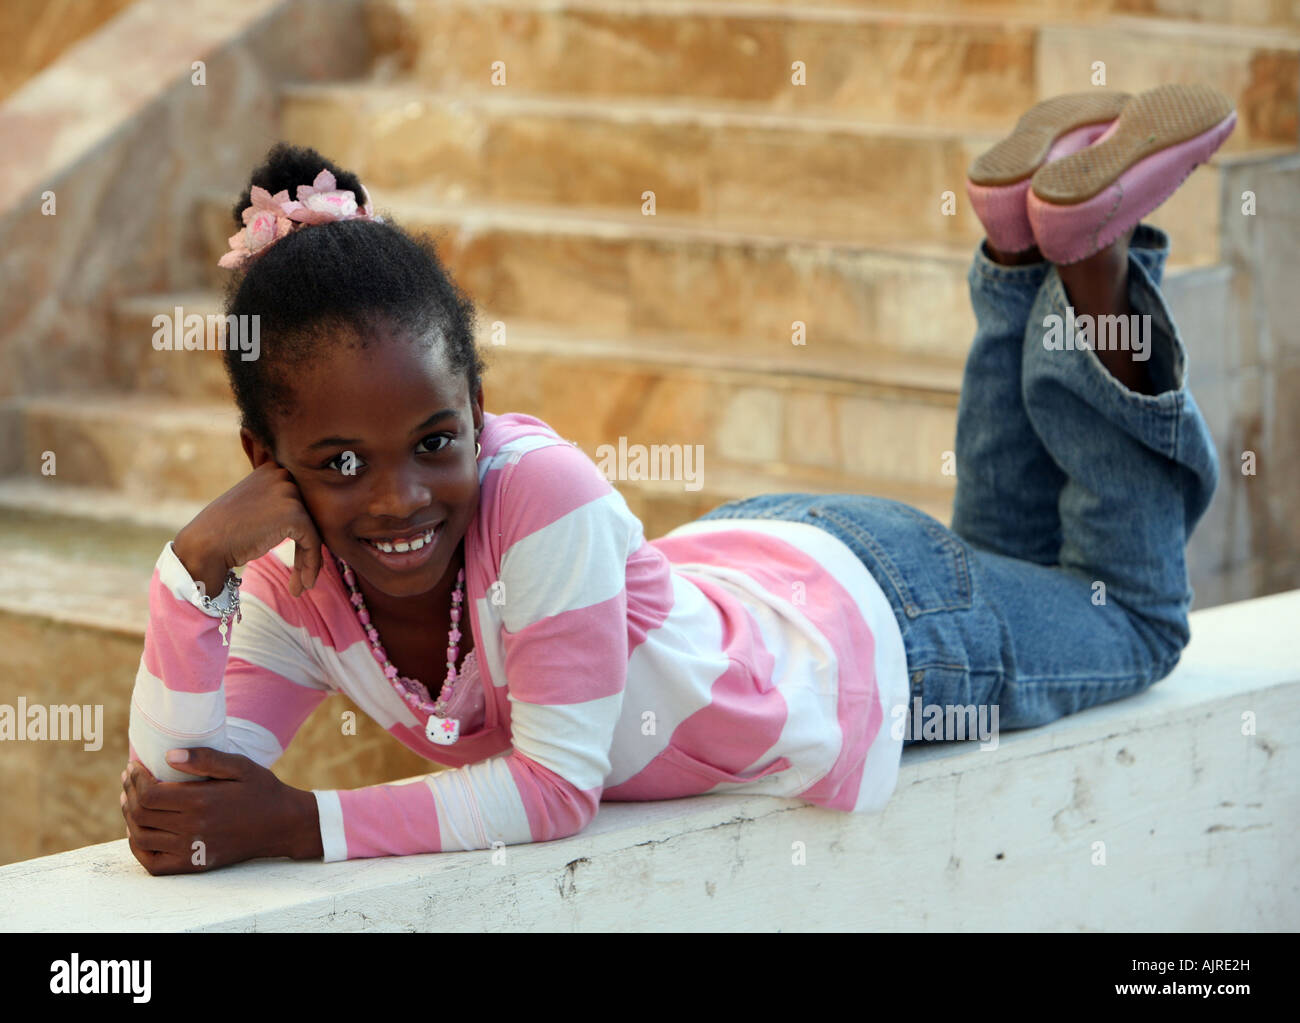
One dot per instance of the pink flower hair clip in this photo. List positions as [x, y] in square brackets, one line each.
[271, 217]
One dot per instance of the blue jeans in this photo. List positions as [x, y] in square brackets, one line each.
[1063, 581]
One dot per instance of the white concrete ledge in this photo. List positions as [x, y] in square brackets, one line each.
[1197, 822]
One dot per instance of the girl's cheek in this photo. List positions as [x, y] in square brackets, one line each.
[322, 506]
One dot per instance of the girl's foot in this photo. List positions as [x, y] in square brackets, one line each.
[998, 181]
[1098, 286]
[1082, 203]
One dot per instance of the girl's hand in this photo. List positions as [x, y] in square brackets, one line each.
[243, 813]
[255, 515]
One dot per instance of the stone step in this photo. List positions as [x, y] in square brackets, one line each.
[914, 68]
[1281, 14]
[147, 448]
[1259, 69]
[135, 365]
[199, 375]
[785, 412]
[932, 67]
[64, 559]
[622, 274]
[804, 172]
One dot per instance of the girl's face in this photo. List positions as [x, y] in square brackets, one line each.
[411, 429]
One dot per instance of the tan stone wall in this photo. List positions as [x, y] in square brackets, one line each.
[33, 33]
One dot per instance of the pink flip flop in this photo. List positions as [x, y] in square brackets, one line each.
[1080, 204]
[999, 179]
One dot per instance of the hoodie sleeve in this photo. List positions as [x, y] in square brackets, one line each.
[250, 697]
[566, 538]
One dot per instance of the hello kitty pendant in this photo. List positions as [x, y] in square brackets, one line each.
[443, 731]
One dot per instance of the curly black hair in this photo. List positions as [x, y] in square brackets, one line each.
[332, 283]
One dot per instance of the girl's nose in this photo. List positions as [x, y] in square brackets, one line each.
[399, 494]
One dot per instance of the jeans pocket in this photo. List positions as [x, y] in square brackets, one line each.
[908, 551]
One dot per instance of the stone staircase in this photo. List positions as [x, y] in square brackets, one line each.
[773, 203]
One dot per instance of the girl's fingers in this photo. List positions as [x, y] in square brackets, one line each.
[306, 555]
[145, 858]
[151, 796]
[312, 556]
[298, 579]
[315, 559]
[152, 839]
[156, 863]
[154, 820]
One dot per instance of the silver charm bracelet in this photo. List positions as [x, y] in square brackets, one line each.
[231, 607]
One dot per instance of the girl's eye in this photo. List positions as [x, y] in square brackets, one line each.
[357, 463]
[434, 436]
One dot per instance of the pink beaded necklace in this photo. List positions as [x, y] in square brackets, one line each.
[437, 729]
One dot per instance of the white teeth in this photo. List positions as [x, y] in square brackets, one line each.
[403, 546]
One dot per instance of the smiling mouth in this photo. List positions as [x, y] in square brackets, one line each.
[403, 545]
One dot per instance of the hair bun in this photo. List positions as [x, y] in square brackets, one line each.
[286, 167]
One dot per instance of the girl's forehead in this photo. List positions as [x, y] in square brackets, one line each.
[377, 392]
[404, 369]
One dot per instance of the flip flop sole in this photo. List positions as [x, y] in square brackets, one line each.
[1150, 122]
[1025, 149]
[1081, 203]
[997, 182]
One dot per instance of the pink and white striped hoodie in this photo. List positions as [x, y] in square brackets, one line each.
[733, 655]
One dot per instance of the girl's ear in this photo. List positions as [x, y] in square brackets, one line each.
[257, 452]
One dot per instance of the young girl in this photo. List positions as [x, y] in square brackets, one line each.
[477, 586]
